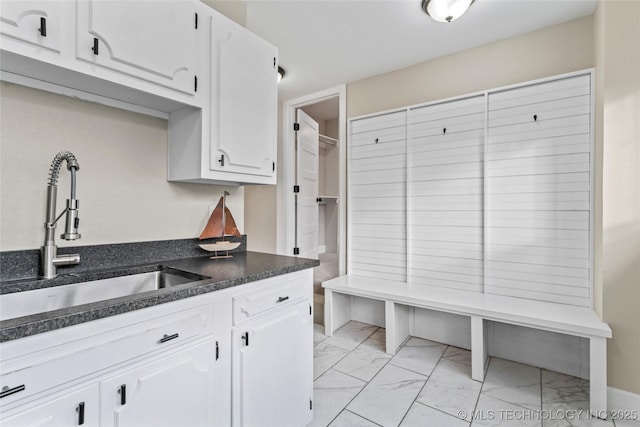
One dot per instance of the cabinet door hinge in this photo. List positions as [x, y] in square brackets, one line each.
[296, 188]
[217, 351]
[195, 83]
[296, 251]
[296, 126]
[196, 21]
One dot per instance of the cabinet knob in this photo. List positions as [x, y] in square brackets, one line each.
[535, 117]
[43, 27]
[377, 140]
[444, 131]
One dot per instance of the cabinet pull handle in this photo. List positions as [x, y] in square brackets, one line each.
[43, 27]
[281, 299]
[123, 394]
[221, 160]
[95, 46]
[535, 117]
[444, 131]
[166, 338]
[217, 351]
[80, 410]
[6, 391]
[377, 140]
[245, 338]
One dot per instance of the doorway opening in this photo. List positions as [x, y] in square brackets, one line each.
[311, 223]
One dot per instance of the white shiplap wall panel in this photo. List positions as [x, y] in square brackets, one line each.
[445, 154]
[538, 197]
[377, 197]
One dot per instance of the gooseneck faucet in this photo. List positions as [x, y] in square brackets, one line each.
[49, 258]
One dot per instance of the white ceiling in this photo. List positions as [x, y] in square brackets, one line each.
[323, 43]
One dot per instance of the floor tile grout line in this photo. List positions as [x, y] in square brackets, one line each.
[415, 400]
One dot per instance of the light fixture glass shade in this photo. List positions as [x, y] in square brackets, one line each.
[445, 10]
[281, 73]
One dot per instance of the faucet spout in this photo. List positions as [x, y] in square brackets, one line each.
[49, 258]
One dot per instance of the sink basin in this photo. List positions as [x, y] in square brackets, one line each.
[25, 303]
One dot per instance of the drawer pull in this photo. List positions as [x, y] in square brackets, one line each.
[80, 410]
[281, 299]
[6, 391]
[166, 338]
[123, 394]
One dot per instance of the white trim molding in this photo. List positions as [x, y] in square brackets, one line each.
[622, 404]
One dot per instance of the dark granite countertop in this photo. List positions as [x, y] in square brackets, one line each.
[218, 274]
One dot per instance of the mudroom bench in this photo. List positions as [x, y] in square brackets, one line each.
[400, 297]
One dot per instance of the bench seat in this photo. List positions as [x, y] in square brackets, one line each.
[479, 307]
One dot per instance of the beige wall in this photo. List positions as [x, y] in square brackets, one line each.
[617, 37]
[232, 9]
[122, 183]
[554, 50]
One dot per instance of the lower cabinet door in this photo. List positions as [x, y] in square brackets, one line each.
[71, 408]
[175, 390]
[273, 369]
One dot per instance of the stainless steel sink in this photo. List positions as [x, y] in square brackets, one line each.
[46, 299]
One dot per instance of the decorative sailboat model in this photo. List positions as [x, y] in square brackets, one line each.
[220, 224]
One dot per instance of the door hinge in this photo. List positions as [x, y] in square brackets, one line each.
[196, 21]
[195, 83]
[217, 351]
[310, 404]
[296, 188]
[296, 251]
[296, 126]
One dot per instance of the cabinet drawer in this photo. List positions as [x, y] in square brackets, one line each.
[263, 300]
[94, 354]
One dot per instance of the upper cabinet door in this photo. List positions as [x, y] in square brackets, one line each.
[244, 101]
[153, 41]
[32, 24]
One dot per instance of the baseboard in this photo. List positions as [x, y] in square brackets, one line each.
[625, 402]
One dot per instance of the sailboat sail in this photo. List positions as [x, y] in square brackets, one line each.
[221, 223]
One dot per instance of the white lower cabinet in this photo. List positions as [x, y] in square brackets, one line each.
[273, 368]
[178, 364]
[172, 391]
[70, 408]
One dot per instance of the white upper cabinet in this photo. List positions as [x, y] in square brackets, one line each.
[233, 139]
[154, 42]
[31, 25]
[244, 101]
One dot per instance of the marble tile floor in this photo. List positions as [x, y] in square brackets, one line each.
[428, 384]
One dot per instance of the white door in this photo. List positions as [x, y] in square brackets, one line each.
[307, 180]
[78, 407]
[174, 391]
[244, 103]
[154, 41]
[273, 369]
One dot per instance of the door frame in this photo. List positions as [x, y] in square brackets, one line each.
[285, 212]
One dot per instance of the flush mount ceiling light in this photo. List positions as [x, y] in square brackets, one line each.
[281, 73]
[445, 10]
